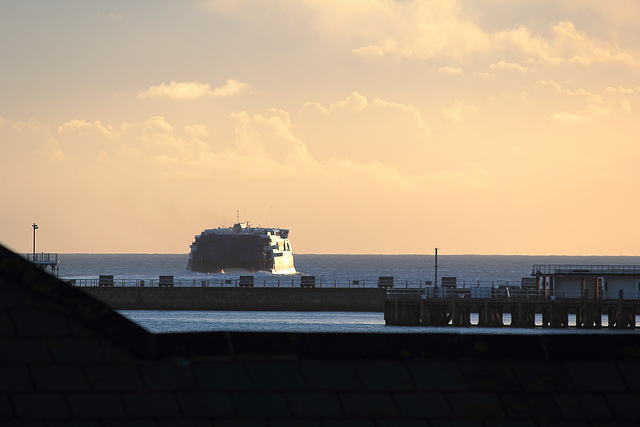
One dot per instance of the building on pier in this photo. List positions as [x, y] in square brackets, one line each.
[591, 281]
[45, 261]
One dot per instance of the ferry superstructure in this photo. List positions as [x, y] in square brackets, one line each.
[242, 247]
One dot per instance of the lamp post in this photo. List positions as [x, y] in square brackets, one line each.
[436, 275]
[35, 227]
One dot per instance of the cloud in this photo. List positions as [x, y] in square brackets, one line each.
[196, 131]
[192, 90]
[453, 32]
[419, 30]
[450, 70]
[20, 141]
[358, 103]
[232, 87]
[458, 111]
[157, 124]
[367, 131]
[566, 45]
[386, 177]
[509, 66]
[177, 90]
[353, 102]
[587, 106]
[472, 176]
[430, 29]
[268, 136]
[567, 118]
[85, 128]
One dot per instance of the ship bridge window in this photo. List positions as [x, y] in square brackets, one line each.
[277, 254]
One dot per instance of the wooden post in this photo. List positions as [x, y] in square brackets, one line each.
[484, 319]
[500, 315]
[587, 312]
[621, 321]
[426, 318]
[454, 318]
[397, 309]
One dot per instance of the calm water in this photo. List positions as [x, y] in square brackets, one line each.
[290, 321]
[328, 268]
[413, 268]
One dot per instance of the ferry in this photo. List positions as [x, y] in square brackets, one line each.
[242, 248]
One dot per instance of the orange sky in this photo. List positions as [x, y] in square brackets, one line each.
[485, 127]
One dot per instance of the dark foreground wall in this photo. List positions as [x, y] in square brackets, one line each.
[66, 359]
[263, 299]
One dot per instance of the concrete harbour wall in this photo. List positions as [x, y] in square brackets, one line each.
[241, 299]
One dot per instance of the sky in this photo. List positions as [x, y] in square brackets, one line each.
[364, 126]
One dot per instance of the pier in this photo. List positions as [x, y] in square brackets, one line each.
[411, 307]
[45, 261]
[554, 296]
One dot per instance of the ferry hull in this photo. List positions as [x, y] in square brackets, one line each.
[217, 252]
[242, 248]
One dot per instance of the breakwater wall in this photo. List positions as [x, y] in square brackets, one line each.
[240, 299]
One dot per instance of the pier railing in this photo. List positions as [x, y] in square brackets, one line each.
[592, 270]
[402, 289]
[277, 282]
[42, 258]
[496, 294]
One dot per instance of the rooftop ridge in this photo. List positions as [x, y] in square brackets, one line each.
[78, 304]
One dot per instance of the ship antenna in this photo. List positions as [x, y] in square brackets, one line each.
[238, 216]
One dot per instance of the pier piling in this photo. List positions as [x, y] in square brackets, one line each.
[417, 309]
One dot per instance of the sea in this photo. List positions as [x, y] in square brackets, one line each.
[330, 271]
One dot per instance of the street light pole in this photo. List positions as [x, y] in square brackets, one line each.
[436, 275]
[35, 227]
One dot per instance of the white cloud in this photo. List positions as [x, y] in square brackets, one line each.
[587, 106]
[196, 131]
[458, 111]
[268, 136]
[366, 131]
[20, 141]
[158, 124]
[232, 87]
[450, 70]
[358, 103]
[85, 128]
[421, 30]
[177, 90]
[566, 45]
[192, 90]
[567, 118]
[509, 66]
[433, 29]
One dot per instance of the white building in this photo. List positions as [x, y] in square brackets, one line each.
[594, 281]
